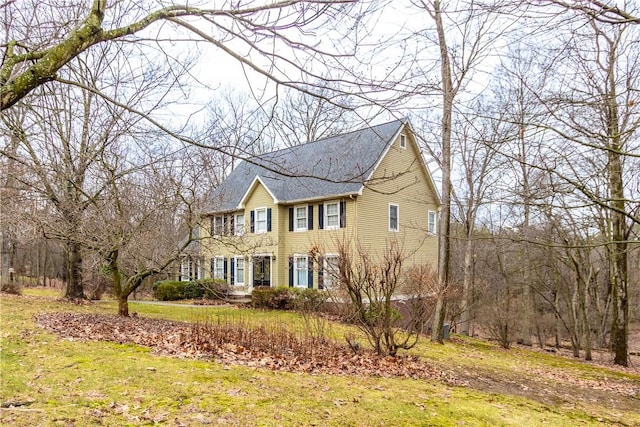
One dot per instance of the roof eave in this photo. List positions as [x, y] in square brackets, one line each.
[318, 198]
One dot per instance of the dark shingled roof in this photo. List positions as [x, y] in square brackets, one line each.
[333, 166]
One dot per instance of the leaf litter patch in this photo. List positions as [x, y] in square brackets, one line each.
[232, 344]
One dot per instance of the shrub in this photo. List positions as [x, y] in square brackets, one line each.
[283, 298]
[193, 290]
[279, 298]
[308, 300]
[169, 290]
[214, 288]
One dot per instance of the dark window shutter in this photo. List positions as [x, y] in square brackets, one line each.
[310, 218]
[268, 219]
[310, 272]
[213, 225]
[290, 271]
[320, 216]
[225, 269]
[253, 221]
[320, 272]
[343, 214]
[233, 270]
[232, 221]
[213, 267]
[290, 219]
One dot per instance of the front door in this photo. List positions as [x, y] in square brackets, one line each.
[261, 271]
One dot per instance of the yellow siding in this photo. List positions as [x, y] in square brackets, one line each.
[399, 179]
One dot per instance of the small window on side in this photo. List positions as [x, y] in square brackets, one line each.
[403, 141]
[394, 217]
[431, 222]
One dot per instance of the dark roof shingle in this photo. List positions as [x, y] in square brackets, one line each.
[333, 166]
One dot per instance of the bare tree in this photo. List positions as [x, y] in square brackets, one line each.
[594, 121]
[476, 31]
[365, 283]
[302, 118]
[478, 141]
[42, 41]
[63, 135]
[236, 128]
[144, 214]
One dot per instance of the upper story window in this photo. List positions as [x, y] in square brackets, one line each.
[300, 218]
[394, 217]
[239, 225]
[403, 141]
[218, 225]
[261, 220]
[332, 215]
[432, 221]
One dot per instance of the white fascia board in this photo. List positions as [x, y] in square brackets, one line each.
[320, 198]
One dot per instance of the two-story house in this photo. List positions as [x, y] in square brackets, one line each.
[369, 186]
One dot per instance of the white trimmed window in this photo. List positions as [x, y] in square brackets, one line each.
[300, 219]
[300, 271]
[394, 217]
[239, 272]
[189, 269]
[403, 141]
[432, 219]
[261, 220]
[185, 266]
[331, 215]
[218, 268]
[330, 270]
[238, 225]
[218, 225]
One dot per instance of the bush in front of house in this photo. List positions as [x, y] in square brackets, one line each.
[283, 298]
[192, 290]
[169, 290]
[309, 300]
[278, 298]
[214, 288]
[173, 290]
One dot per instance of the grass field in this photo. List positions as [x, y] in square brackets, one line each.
[49, 381]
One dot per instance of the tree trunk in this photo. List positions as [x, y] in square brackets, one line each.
[75, 289]
[618, 247]
[574, 327]
[556, 310]
[123, 305]
[583, 296]
[445, 212]
[467, 283]
[527, 295]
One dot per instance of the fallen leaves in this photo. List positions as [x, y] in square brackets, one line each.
[621, 387]
[180, 340]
